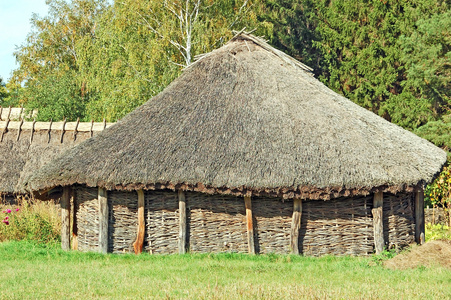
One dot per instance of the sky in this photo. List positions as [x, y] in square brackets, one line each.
[15, 25]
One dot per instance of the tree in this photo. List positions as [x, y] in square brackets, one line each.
[360, 45]
[437, 132]
[193, 25]
[3, 91]
[141, 46]
[291, 27]
[427, 57]
[48, 61]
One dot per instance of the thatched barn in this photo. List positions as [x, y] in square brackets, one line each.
[245, 152]
[27, 146]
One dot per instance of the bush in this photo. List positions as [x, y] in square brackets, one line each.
[437, 232]
[31, 220]
[438, 193]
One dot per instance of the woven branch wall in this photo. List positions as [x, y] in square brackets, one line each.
[399, 220]
[342, 226]
[272, 224]
[162, 222]
[217, 223]
[87, 207]
[122, 221]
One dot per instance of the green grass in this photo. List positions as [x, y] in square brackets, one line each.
[43, 271]
[437, 232]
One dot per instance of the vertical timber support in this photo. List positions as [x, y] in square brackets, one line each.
[250, 225]
[182, 222]
[295, 226]
[139, 243]
[65, 219]
[419, 215]
[378, 206]
[103, 220]
[74, 221]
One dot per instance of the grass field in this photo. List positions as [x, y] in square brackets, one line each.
[43, 271]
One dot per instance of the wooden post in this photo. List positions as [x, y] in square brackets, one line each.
[74, 223]
[65, 219]
[378, 206]
[182, 223]
[250, 225]
[103, 220]
[419, 215]
[138, 244]
[295, 226]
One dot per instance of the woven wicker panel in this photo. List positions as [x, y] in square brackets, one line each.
[122, 221]
[272, 224]
[342, 226]
[87, 218]
[399, 220]
[217, 223]
[162, 222]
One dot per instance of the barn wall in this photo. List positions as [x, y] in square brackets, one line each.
[122, 221]
[399, 220]
[217, 223]
[342, 226]
[272, 224]
[162, 222]
[87, 207]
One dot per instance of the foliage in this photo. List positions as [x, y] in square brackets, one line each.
[56, 97]
[439, 191]
[438, 232]
[291, 27]
[437, 132]
[12, 97]
[31, 221]
[125, 65]
[378, 259]
[48, 61]
[427, 57]
[392, 57]
[3, 91]
[362, 50]
[141, 46]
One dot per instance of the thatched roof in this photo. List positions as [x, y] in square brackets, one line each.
[16, 113]
[247, 119]
[27, 146]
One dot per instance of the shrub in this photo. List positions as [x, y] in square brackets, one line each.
[31, 220]
[438, 193]
[438, 232]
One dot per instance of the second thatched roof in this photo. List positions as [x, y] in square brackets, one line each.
[27, 146]
[248, 119]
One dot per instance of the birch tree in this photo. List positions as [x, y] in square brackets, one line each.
[191, 21]
[142, 45]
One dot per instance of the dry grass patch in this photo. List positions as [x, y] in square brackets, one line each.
[30, 219]
[431, 254]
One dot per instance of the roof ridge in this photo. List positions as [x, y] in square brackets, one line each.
[260, 41]
[62, 125]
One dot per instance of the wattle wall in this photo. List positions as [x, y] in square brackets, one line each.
[217, 223]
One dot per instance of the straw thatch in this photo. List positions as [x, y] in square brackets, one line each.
[27, 146]
[247, 119]
[16, 113]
